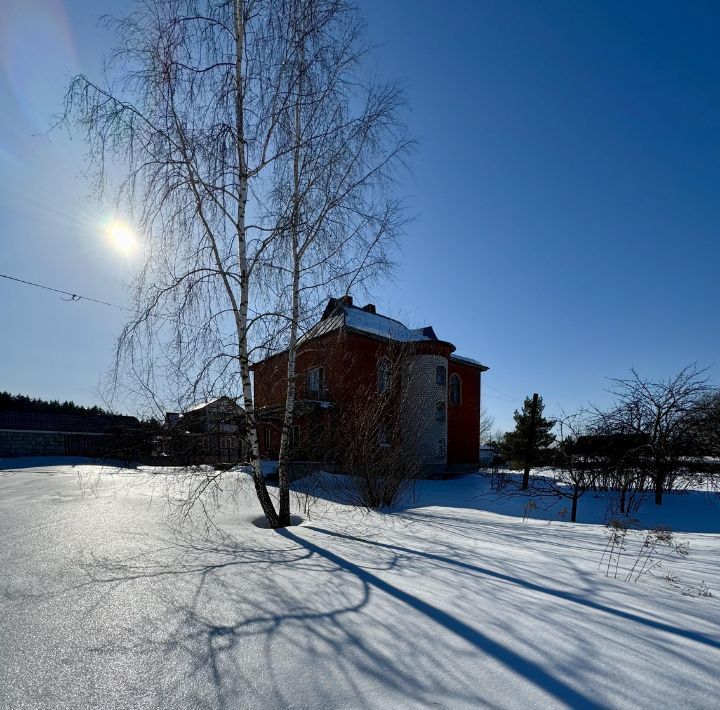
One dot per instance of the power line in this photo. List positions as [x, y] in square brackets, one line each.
[499, 391]
[72, 296]
[502, 399]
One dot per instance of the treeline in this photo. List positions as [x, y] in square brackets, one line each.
[23, 403]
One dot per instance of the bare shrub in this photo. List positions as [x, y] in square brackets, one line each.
[659, 544]
[649, 552]
[530, 506]
[377, 435]
[617, 531]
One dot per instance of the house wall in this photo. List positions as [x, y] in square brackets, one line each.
[464, 419]
[348, 358]
[423, 433]
[350, 361]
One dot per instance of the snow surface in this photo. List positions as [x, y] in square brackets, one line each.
[450, 602]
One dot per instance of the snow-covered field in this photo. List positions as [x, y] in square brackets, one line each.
[451, 602]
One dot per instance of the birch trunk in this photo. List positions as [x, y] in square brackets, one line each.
[284, 455]
[241, 314]
[291, 392]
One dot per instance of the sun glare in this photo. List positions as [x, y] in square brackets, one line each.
[122, 238]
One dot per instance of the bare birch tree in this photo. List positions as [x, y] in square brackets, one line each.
[204, 107]
[341, 139]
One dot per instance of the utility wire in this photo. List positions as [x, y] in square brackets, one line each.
[505, 396]
[501, 399]
[73, 296]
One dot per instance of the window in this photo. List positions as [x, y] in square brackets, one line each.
[316, 381]
[383, 375]
[455, 389]
[266, 437]
[295, 439]
[440, 448]
[440, 412]
[440, 375]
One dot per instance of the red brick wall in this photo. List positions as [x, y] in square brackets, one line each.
[349, 359]
[350, 362]
[464, 419]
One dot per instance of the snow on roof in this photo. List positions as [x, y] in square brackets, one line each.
[367, 322]
[339, 314]
[383, 326]
[225, 405]
[200, 405]
[468, 361]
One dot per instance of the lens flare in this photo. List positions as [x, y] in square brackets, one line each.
[122, 238]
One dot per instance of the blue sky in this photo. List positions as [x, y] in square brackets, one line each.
[566, 192]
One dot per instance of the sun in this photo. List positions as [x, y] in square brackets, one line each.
[122, 238]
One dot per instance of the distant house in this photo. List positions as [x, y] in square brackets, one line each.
[42, 433]
[353, 349]
[210, 431]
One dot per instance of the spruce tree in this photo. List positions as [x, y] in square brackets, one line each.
[515, 444]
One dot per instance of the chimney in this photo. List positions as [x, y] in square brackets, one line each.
[346, 300]
[370, 308]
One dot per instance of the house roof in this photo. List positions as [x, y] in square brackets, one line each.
[469, 361]
[385, 327]
[341, 313]
[204, 405]
[199, 405]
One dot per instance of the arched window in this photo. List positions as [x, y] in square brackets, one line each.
[440, 412]
[383, 374]
[455, 389]
[440, 375]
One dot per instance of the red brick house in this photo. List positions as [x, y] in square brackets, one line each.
[353, 350]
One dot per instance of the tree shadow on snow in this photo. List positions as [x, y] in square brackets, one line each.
[264, 624]
[509, 658]
[559, 593]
